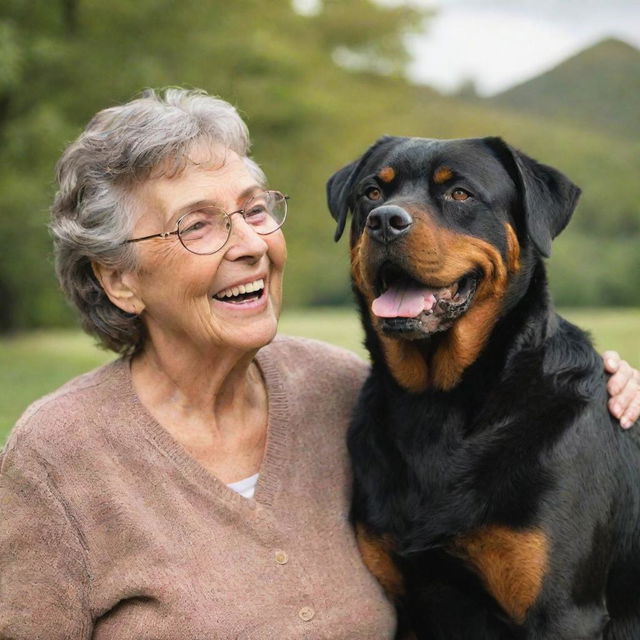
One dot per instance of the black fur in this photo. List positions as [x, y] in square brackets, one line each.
[524, 440]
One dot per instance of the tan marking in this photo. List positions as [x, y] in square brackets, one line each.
[387, 174]
[375, 552]
[406, 363]
[358, 256]
[442, 174]
[513, 249]
[441, 256]
[512, 564]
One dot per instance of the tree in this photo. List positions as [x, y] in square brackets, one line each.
[63, 60]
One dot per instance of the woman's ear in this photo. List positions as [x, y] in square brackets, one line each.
[119, 287]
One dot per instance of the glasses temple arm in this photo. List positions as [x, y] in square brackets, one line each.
[165, 234]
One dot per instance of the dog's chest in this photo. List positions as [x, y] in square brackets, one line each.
[455, 487]
[447, 468]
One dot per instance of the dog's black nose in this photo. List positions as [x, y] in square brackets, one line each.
[388, 223]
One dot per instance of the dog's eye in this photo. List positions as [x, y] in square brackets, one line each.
[460, 194]
[373, 193]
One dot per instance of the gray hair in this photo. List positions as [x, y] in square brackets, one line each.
[93, 214]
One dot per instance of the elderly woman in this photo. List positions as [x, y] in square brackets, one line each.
[198, 486]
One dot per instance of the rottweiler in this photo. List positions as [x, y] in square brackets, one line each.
[494, 496]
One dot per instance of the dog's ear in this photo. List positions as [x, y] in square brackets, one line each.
[548, 197]
[338, 188]
[340, 185]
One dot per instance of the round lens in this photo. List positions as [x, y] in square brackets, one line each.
[204, 231]
[266, 211]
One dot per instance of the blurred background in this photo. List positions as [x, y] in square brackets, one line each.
[317, 81]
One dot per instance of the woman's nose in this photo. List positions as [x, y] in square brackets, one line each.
[244, 241]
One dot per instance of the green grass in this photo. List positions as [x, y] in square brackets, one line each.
[36, 363]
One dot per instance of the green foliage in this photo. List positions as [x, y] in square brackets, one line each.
[315, 90]
[62, 61]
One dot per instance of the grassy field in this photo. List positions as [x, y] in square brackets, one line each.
[35, 363]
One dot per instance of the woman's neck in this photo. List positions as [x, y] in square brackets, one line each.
[182, 386]
[214, 404]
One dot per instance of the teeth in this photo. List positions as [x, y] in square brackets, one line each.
[250, 287]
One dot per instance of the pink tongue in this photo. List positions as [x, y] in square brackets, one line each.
[403, 301]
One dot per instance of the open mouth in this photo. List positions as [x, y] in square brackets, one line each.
[242, 293]
[416, 309]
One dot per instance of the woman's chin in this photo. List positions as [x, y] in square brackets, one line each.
[253, 338]
[248, 329]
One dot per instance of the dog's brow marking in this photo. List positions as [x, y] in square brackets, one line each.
[511, 563]
[387, 174]
[442, 174]
[376, 556]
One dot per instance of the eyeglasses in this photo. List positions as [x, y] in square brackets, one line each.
[208, 229]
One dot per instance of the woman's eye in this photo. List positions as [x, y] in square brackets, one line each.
[256, 215]
[460, 194]
[256, 210]
[195, 226]
[373, 193]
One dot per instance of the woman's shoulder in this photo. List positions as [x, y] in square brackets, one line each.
[307, 353]
[313, 371]
[57, 419]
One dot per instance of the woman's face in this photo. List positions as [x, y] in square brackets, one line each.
[180, 291]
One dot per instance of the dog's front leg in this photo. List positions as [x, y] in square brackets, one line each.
[376, 552]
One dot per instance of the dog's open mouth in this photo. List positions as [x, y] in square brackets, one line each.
[416, 309]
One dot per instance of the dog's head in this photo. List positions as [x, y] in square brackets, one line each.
[442, 233]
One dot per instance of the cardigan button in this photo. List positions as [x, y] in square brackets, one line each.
[281, 557]
[306, 613]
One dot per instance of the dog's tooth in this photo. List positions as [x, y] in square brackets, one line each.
[235, 291]
[249, 288]
[260, 284]
[242, 288]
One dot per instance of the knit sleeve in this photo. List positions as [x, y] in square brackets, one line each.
[43, 576]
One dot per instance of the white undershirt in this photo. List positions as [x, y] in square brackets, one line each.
[245, 487]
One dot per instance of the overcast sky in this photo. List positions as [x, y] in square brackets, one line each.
[499, 43]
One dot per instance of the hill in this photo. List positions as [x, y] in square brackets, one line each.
[599, 86]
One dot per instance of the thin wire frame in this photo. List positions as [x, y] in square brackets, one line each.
[281, 198]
